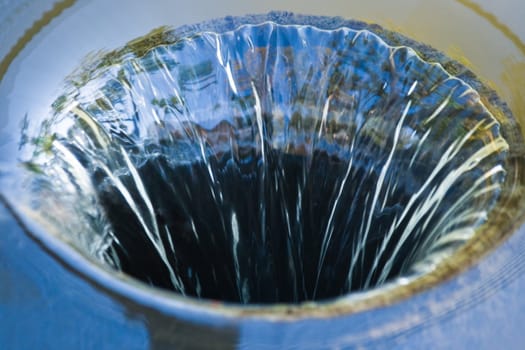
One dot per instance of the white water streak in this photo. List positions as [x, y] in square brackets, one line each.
[154, 237]
[327, 237]
[436, 197]
[324, 116]
[235, 247]
[260, 126]
[98, 132]
[379, 186]
[419, 147]
[439, 109]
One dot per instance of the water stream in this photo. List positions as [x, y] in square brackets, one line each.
[254, 164]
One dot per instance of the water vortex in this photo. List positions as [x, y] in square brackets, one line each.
[271, 163]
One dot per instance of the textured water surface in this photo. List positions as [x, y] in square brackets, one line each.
[271, 163]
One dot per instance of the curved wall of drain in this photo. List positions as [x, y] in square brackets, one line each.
[419, 312]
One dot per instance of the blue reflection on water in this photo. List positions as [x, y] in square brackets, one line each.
[44, 306]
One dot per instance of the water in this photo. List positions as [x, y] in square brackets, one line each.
[156, 169]
[268, 162]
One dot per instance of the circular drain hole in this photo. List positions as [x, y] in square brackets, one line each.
[270, 163]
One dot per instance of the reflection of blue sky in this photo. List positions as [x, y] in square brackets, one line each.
[44, 306]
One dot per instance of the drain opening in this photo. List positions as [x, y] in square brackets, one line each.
[269, 164]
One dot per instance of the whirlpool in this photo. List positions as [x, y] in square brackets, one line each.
[288, 175]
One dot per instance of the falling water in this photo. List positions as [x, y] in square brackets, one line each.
[267, 163]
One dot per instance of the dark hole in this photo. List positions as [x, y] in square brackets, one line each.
[280, 209]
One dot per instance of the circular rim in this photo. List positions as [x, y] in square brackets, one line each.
[488, 236]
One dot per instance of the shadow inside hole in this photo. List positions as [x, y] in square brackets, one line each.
[248, 187]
